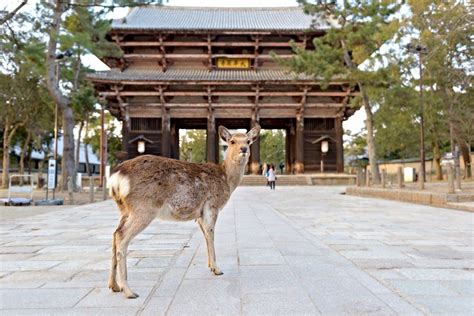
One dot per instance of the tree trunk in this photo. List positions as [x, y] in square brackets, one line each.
[7, 139]
[369, 122]
[78, 147]
[466, 155]
[52, 80]
[437, 160]
[6, 158]
[67, 160]
[369, 125]
[22, 155]
[86, 152]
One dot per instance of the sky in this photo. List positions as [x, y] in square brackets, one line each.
[355, 123]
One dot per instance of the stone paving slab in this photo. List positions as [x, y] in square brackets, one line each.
[294, 251]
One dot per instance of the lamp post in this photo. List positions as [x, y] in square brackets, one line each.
[420, 50]
[59, 57]
[324, 140]
[324, 150]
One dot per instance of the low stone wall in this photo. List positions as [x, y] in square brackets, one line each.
[304, 179]
[417, 197]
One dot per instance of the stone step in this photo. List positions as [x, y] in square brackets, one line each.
[306, 179]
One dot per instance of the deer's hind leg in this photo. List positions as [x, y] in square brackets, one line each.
[133, 225]
[113, 269]
[207, 223]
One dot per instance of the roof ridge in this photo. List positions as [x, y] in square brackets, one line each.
[203, 8]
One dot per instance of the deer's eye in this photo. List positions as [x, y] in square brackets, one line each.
[232, 142]
[248, 142]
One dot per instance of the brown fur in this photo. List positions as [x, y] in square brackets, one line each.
[148, 186]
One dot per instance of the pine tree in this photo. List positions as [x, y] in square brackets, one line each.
[359, 29]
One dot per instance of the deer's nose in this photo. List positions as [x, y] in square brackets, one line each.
[243, 149]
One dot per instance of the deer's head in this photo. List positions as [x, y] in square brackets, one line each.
[238, 144]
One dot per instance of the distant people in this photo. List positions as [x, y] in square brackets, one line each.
[271, 177]
[265, 172]
[282, 165]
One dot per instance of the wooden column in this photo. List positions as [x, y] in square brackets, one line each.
[299, 155]
[174, 141]
[288, 151]
[299, 148]
[165, 126]
[163, 62]
[211, 139]
[165, 134]
[339, 145]
[209, 52]
[255, 147]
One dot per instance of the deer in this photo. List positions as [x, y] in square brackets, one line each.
[149, 187]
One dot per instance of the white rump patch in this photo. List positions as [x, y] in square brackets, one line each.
[119, 184]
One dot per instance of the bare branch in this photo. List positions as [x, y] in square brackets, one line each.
[12, 14]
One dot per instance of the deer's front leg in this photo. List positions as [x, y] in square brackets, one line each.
[207, 223]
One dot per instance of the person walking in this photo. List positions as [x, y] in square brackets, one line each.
[266, 167]
[271, 177]
[282, 165]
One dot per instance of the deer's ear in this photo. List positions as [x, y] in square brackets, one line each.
[253, 133]
[224, 134]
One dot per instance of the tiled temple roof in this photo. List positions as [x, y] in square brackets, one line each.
[230, 19]
[197, 75]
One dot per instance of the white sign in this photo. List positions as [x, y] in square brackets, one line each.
[51, 174]
[79, 180]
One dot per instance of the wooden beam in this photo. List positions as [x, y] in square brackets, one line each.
[203, 44]
[242, 105]
[201, 56]
[231, 93]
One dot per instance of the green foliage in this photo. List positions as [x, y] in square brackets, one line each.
[397, 124]
[193, 143]
[272, 146]
[361, 28]
[114, 139]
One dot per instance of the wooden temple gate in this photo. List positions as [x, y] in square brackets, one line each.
[198, 68]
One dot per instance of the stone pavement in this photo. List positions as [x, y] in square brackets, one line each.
[297, 250]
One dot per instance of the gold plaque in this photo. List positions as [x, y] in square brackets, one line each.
[233, 63]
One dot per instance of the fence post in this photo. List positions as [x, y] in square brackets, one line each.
[70, 190]
[450, 179]
[457, 176]
[359, 177]
[91, 189]
[384, 178]
[367, 177]
[104, 188]
[400, 177]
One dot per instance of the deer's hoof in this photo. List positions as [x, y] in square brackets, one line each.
[217, 271]
[114, 287]
[129, 293]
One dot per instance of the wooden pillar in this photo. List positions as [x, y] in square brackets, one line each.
[293, 147]
[125, 136]
[255, 147]
[299, 154]
[174, 141]
[288, 151]
[255, 152]
[339, 145]
[165, 134]
[211, 138]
